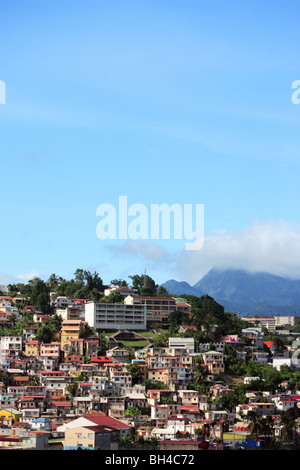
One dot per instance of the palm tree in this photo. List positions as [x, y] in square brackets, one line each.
[289, 419]
[267, 426]
[199, 371]
[255, 426]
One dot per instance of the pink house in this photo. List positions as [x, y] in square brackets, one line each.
[232, 340]
[50, 350]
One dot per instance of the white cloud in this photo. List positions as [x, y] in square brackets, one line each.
[27, 276]
[6, 278]
[134, 256]
[272, 246]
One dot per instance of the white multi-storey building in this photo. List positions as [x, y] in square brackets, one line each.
[182, 343]
[115, 316]
[11, 346]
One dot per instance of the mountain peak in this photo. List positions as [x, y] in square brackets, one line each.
[248, 292]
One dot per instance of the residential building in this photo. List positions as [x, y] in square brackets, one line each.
[255, 335]
[115, 316]
[75, 346]
[182, 343]
[71, 312]
[70, 330]
[11, 346]
[96, 419]
[120, 355]
[285, 320]
[10, 414]
[32, 348]
[124, 291]
[157, 308]
[91, 438]
[183, 306]
[214, 361]
[188, 397]
[267, 322]
[62, 302]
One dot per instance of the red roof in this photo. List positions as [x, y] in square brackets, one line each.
[101, 359]
[106, 421]
[60, 403]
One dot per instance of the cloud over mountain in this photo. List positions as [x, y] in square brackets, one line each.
[272, 246]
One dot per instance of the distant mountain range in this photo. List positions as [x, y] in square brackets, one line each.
[249, 293]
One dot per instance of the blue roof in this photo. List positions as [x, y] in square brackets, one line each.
[41, 420]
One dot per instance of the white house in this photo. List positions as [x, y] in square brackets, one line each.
[124, 291]
[115, 316]
[41, 424]
[277, 362]
[284, 405]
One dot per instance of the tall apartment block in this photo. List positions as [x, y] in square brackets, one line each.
[115, 316]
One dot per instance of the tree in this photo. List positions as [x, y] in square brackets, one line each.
[133, 440]
[119, 282]
[271, 377]
[53, 282]
[72, 389]
[199, 371]
[290, 419]
[162, 292]
[255, 425]
[161, 341]
[114, 297]
[135, 373]
[133, 411]
[167, 400]
[154, 385]
[177, 318]
[45, 334]
[84, 285]
[144, 284]
[267, 426]
[40, 297]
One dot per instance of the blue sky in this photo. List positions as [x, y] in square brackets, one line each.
[168, 101]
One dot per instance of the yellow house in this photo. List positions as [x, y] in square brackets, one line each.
[70, 329]
[158, 375]
[91, 438]
[74, 373]
[32, 348]
[11, 414]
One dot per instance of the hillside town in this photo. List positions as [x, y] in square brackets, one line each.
[133, 371]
